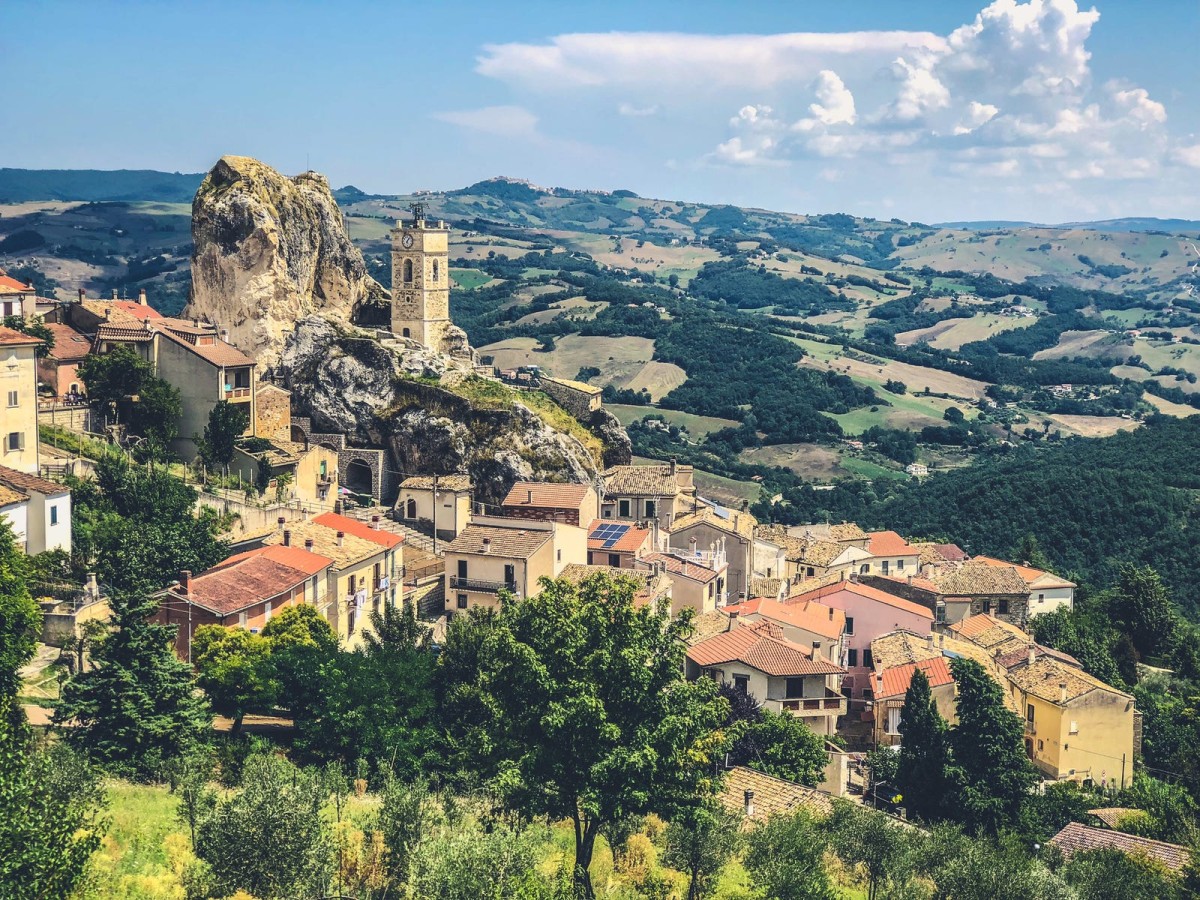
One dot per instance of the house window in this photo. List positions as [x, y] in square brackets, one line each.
[885, 567]
[1041, 744]
[852, 657]
[15, 441]
[1003, 607]
[510, 574]
[1029, 713]
[408, 271]
[590, 563]
[462, 568]
[623, 508]
[407, 333]
[899, 564]
[940, 614]
[12, 399]
[987, 607]
[794, 688]
[614, 560]
[868, 660]
[893, 720]
[461, 600]
[651, 509]
[849, 624]
[711, 589]
[53, 514]
[8, 308]
[864, 569]
[560, 555]
[810, 571]
[741, 684]
[1041, 598]
[868, 694]
[1074, 728]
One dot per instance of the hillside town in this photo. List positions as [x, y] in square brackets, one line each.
[826, 624]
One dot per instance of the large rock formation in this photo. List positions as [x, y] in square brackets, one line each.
[430, 411]
[269, 250]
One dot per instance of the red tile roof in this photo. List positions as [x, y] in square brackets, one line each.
[864, 591]
[676, 566]
[293, 557]
[237, 584]
[1076, 838]
[889, 543]
[69, 344]
[10, 337]
[771, 655]
[809, 616]
[359, 529]
[9, 285]
[1029, 573]
[631, 541]
[24, 482]
[546, 495]
[218, 354]
[951, 552]
[894, 682]
[137, 310]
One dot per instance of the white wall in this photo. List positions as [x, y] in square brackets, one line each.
[18, 517]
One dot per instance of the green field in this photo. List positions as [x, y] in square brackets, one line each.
[469, 279]
[698, 427]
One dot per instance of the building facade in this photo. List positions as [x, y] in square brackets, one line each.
[421, 281]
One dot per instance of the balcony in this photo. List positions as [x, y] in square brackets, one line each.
[831, 704]
[483, 587]
[237, 393]
[1030, 727]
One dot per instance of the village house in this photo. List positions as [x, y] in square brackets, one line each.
[653, 584]
[310, 471]
[890, 555]
[243, 591]
[757, 797]
[696, 582]
[1078, 838]
[571, 504]
[782, 676]
[494, 554]
[38, 510]
[809, 624]
[713, 529]
[441, 504]
[808, 555]
[655, 493]
[16, 297]
[366, 570]
[58, 370]
[955, 592]
[1047, 591]
[869, 613]
[617, 545]
[576, 397]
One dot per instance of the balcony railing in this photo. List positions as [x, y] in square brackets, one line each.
[486, 587]
[237, 393]
[1030, 727]
[831, 703]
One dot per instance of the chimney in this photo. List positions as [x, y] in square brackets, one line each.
[185, 582]
[487, 545]
[287, 538]
[82, 295]
[929, 640]
[1032, 655]
[308, 544]
[114, 294]
[280, 522]
[854, 577]
[831, 614]
[142, 297]
[748, 804]
[195, 323]
[375, 523]
[672, 467]
[93, 586]
[529, 496]
[745, 505]
[341, 538]
[225, 335]
[737, 520]
[107, 313]
[1062, 692]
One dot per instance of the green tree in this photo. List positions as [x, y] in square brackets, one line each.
[970, 868]
[113, 377]
[20, 617]
[155, 417]
[785, 859]
[990, 774]
[474, 864]
[921, 763]
[233, 667]
[1028, 552]
[405, 818]
[1045, 814]
[262, 477]
[1114, 875]
[33, 326]
[784, 746]
[227, 422]
[586, 713]
[1171, 811]
[270, 838]
[886, 850]
[138, 706]
[1141, 601]
[700, 840]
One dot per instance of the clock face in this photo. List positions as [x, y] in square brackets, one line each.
[407, 240]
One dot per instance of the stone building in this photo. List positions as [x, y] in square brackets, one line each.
[421, 281]
[577, 398]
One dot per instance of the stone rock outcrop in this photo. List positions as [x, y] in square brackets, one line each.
[402, 396]
[269, 250]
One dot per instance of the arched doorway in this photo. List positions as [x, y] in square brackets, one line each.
[298, 435]
[410, 509]
[359, 478]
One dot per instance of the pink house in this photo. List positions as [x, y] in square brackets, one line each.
[870, 613]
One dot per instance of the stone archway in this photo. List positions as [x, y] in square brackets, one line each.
[359, 477]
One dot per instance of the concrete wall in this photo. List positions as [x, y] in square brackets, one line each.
[1047, 600]
[17, 515]
[1088, 737]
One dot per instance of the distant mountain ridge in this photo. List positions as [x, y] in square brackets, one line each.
[1129, 223]
[92, 185]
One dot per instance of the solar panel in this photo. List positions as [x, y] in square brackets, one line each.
[610, 534]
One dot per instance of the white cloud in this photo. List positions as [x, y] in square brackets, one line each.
[637, 112]
[1140, 107]
[504, 121]
[835, 102]
[977, 114]
[1188, 156]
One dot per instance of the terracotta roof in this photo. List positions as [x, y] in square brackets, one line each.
[241, 582]
[772, 796]
[677, 566]
[10, 337]
[294, 557]
[359, 529]
[546, 495]
[24, 482]
[986, 630]
[632, 540]
[951, 552]
[10, 285]
[737, 523]
[69, 344]
[518, 542]
[1113, 815]
[973, 579]
[894, 682]
[900, 648]
[809, 616]
[130, 333]
[352, 552]
[452, 483]
[1046, 678]
[219, 354]
[9, 496]
[759, 650]
[864, 591]
[135, 309]
[889, 543]
[708, 624]
[1076, 838]
[1011, 657]
[642, 481]
[1028, 573]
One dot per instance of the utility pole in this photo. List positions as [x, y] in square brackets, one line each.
[435, 512]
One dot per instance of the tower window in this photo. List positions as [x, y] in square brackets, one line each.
[408, 271]
[435, 270]
[406, 333]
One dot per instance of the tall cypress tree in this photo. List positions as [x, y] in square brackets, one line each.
[139, 706]
[921, 769]
[990, 773]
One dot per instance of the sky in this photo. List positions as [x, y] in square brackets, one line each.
[1035, 110]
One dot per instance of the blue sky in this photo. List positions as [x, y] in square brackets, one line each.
[1046, 110]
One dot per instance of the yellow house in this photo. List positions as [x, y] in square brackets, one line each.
[18, 401]
[313, 468]
[444, 503]
[1077, 728]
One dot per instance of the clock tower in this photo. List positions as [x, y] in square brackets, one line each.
[421, 280]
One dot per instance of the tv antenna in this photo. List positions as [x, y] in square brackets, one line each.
[417, 208]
